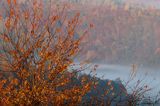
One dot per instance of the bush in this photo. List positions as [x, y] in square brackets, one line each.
[38, 46]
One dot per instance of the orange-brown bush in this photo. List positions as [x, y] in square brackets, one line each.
[37, 48]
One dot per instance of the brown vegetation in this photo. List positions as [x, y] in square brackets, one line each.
[37, 48]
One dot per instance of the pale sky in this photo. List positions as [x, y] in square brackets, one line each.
[155, 3]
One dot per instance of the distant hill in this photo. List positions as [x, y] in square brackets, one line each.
[122, 34]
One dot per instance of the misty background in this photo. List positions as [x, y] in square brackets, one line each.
[125, 32]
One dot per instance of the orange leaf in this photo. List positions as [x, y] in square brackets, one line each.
[5, 38]
[1, 17]
[9, 1]
[11, 12]
[7, 24]
[58, 30]
[15, 1]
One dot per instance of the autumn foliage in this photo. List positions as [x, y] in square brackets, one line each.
[39, 41]
[37, 49]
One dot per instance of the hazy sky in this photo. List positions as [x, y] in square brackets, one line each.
[155, 3]
[145, 2]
